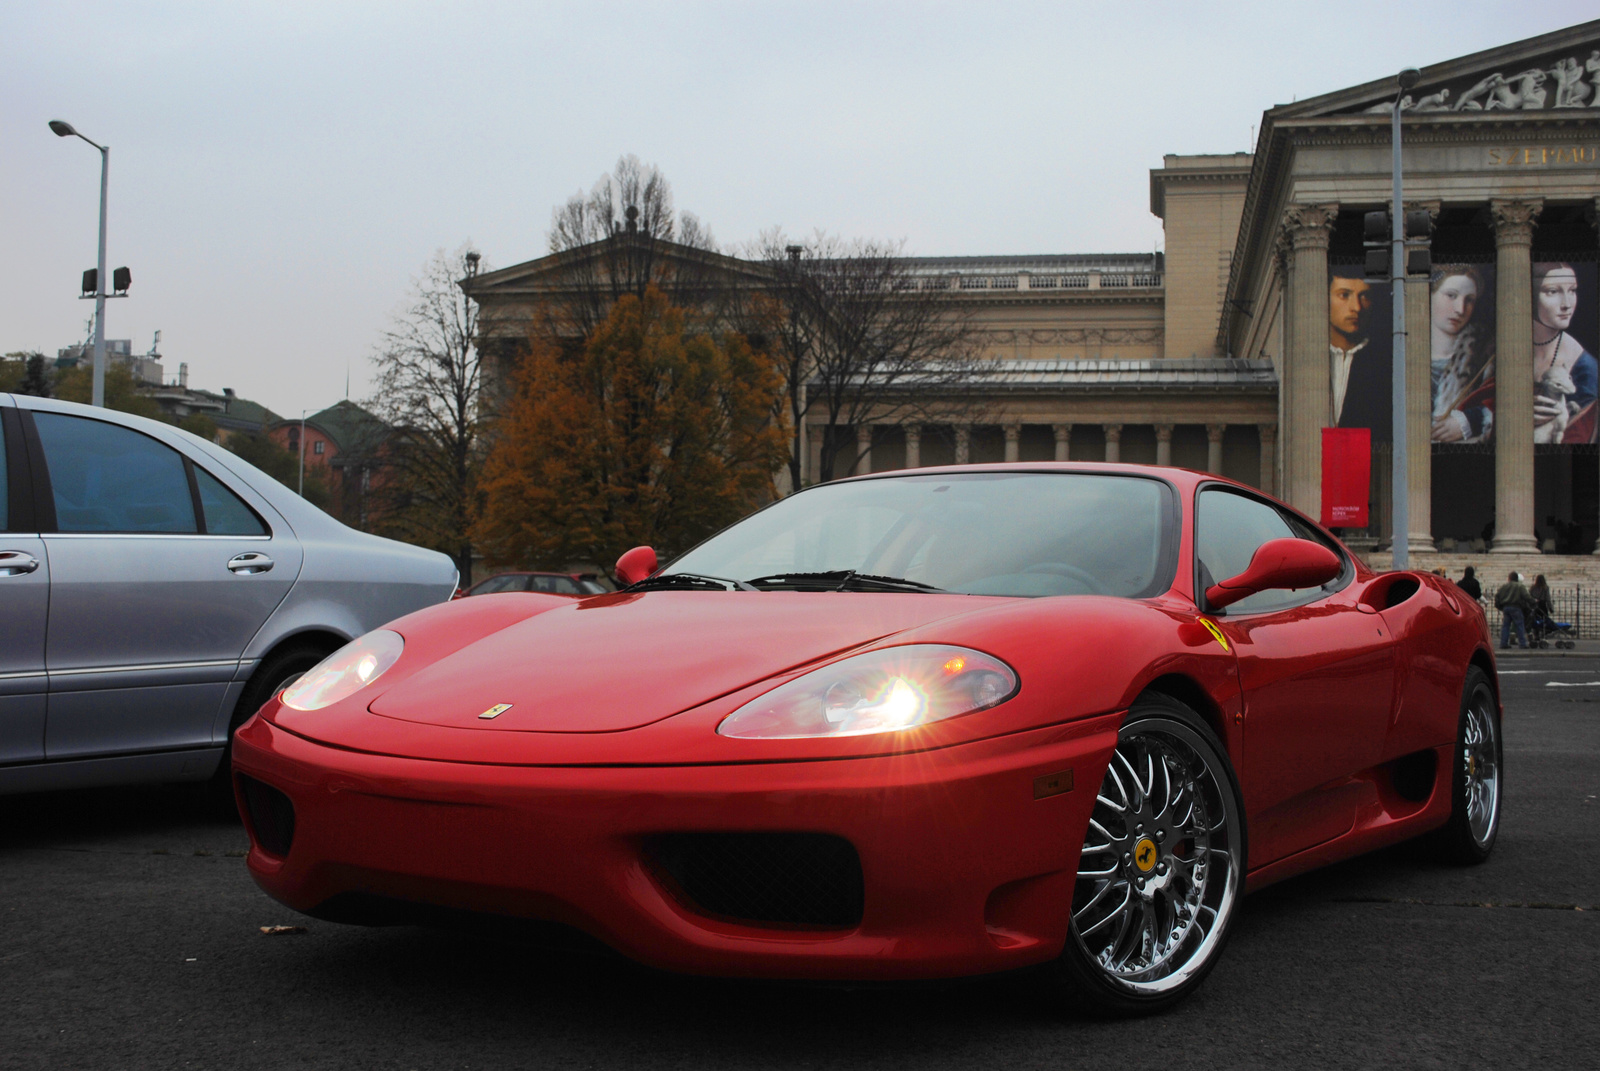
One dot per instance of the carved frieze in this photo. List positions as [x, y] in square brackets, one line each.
[1567, 82]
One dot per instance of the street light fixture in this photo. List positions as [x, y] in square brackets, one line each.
[64, 129]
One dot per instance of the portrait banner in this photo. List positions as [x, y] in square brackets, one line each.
[1566, 376]
[1360, 344]
[1461, 311]
[1346, 476]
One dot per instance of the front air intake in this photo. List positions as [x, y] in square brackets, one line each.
[785, 879]
[270, 814]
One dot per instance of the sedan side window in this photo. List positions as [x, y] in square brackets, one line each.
[107, 478]
[1228, 529]
[225, 513]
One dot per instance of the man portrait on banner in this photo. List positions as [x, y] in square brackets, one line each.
[1360, 368]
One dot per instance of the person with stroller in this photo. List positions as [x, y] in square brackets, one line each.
[1543, 605]
[1513, 601]
[1469, 584]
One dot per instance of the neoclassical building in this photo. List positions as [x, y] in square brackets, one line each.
[1253, 331]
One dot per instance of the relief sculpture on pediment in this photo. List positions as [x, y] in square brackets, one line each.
[1565, 83]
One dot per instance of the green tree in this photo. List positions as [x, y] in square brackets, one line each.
[77, 385]
[656, 431]
[25, 372]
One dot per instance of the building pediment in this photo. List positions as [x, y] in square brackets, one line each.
[1553, 72]
[590, 261]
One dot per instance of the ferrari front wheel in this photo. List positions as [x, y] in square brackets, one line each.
[1161, 869]
[1469, 836]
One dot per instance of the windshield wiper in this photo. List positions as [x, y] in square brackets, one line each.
[839, 580]
[690, 580]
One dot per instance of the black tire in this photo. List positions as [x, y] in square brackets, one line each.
[279, 670]
[1185, 859]
[1476, 777]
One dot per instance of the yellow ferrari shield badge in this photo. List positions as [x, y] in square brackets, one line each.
[1216, 633]
[1144, 855]
[495, 711]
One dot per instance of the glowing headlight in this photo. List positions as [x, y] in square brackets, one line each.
[346, 671]
[877, 692]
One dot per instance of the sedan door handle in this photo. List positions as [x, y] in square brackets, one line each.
[250, 563]
[16, 563]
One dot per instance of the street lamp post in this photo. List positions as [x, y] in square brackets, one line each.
[64, 130]
[1400, 544]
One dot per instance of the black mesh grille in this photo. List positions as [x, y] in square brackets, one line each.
[803, 879]
[271, 815]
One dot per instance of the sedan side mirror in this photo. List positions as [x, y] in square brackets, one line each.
[636, 565]
[1278, 563]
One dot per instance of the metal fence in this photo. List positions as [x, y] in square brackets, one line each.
[1567, 606]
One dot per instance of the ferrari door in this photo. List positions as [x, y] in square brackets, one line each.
[1317, 671]
[24, 603]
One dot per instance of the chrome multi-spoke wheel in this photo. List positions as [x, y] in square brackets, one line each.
[1161, 866]
[1480, 767]
[1475, 776]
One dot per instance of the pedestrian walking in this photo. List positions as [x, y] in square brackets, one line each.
[1469, 583]
[1513, 602]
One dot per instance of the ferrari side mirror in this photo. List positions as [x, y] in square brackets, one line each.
[1278, 563]
[635, 565]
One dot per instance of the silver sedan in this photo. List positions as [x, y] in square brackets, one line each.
[155, 590]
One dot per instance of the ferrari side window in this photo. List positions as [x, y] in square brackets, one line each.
[1228, 529]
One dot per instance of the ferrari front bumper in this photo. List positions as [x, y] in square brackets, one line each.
[967, 853]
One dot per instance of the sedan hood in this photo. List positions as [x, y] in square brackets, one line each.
[617, 662]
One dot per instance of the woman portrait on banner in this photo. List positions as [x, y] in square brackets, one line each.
[1463, 357]
[1566, 376]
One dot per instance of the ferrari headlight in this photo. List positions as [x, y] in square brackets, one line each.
[877, 692]
[346, 671]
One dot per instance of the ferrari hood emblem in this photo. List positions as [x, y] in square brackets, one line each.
[495, 711]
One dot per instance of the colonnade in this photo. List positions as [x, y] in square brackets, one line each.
[1304, 389]
[1061, 433]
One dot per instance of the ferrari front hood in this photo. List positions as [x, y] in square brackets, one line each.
[617, 662]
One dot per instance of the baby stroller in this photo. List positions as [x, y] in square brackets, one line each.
[1544, 630]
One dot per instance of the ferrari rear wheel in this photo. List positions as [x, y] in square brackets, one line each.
[1161, 869]
[1469, 836]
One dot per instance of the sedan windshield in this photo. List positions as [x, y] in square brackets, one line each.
[985, 533]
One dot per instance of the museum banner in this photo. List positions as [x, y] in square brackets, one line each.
[1461, 309]
[1360, 341]
[1346, 476]
[1565, 373]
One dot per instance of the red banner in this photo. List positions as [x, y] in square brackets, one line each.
[1346, 476]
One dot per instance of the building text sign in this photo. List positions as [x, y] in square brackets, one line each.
[1544, 155]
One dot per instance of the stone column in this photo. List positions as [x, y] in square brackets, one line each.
[1013, 442]
[963, 443]
[1513, 376]
[1163, 444]
[1064, 447]
[913, 446]
[1419, 408]
[1306, 404]
[1268, 434]
[1214, 447]
[863, 463]
[1113, 442]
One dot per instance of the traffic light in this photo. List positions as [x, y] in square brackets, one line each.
[1419, 233]
[1375, 237]
[1378, 237]
[121, 279]
[91, 281]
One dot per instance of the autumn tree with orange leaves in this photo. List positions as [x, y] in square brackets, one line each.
[656, 430]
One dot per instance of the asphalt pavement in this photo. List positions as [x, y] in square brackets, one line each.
[132, 940]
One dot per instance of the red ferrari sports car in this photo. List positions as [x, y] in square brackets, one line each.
[919, 724]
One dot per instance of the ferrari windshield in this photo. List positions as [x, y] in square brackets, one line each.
[981, 533]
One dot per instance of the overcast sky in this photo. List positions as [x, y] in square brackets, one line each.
[280, 171]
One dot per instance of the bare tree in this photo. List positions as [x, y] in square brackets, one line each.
[430, 393]
[861, 338]
[619, 239]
